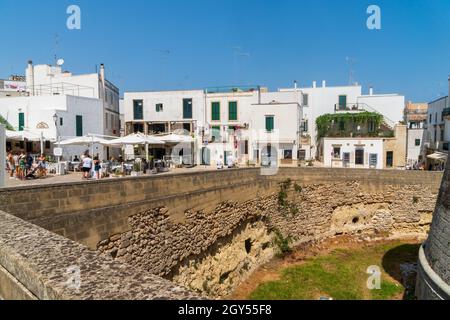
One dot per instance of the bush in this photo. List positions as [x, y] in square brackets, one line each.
[282, 243]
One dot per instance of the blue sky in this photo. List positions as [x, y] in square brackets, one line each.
[175, 44]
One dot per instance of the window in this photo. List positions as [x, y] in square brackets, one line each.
[187, 127]
[342, 102]
[232, 111]
[106, 121]
[359, 156]
[305, 99]
[187, 108]
[138, 127]
[373, 160]
[159, 107]
[336, 152]
[430, 118]
[442, 134]
[389, 159]
[206, 156]
[445, 146]
[216, 133]
[287, 154]
[435, 135]
[21, 121]
[341, 125]
[215, 111]
[305, 126]
[47, 144]
[302, 154]
[417, 142]
[346, 158]
[435, 118]
[79, 126]
[138, 109]
[371, 126]
[269, 123]
[61, 122]
[246, 147]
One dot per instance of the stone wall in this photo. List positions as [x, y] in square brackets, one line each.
[179, 226]
[38, 264]
[434, 260]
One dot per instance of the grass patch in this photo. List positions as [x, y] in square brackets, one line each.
[342, 275]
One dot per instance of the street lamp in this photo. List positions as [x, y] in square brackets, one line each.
[55, 119]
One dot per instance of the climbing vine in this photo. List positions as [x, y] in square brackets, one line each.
[7, 125]
[344, 122]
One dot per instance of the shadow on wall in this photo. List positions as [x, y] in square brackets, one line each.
[401, 264]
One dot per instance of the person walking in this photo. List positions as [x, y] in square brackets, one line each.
[16, 165]
[11, 163]
[22, 166]
[97, 167]
[87, 166]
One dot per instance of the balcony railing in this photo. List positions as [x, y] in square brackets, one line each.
[446, 112]
[361, 107]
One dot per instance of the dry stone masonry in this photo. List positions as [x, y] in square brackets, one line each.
[208, 231]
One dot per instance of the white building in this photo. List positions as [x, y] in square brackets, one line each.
[354, 153]
[15, 86]
[43, 80]
[437, 125]
[318, 101]
[234, 121]
[227, 123]
[77, 116]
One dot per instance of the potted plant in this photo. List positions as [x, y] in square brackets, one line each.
[136, 170]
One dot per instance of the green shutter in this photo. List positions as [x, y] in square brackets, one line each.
[215, 111]
[21, 121]
[79, 126]
[216, 133]
[187, 108]
[342, 102]
[232, 111]
[138, 109]
[269, 124]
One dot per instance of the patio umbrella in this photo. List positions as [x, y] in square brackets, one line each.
[136, 138]
[13, 135]
[23, 135]
[83, 141]
[174, 138]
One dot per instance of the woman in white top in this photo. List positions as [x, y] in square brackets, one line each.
[87, 166]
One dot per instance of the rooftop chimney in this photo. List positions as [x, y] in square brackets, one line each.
[102, 79]
[30, 77]
[295, 84]
[314, 84]
[371, 91]
[324, 83]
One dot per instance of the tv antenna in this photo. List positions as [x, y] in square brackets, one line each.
[56, 48]
[238, 53]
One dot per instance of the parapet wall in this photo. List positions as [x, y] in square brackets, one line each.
[176, 226]
[38, 264]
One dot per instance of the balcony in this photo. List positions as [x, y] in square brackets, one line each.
[349, 107]
[446, 113]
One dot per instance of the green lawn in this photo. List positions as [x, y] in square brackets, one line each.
[342, 275]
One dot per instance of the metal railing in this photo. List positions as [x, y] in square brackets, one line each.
[361, 107]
